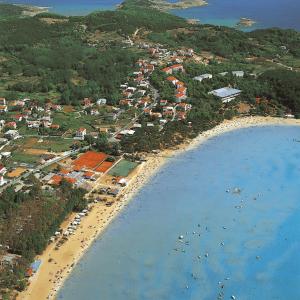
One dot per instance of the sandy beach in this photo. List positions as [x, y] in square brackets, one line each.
[57, 264]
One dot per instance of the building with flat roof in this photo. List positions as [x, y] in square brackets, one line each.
[226, 94]
[238, 73]
[202, 77]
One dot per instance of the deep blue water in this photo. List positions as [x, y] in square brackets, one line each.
[251, 237]
[268, 13]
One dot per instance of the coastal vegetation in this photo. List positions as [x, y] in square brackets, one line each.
[27, 222]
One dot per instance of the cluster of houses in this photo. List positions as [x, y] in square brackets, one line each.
[138, 95]
[181, 90]
[30, 113]
[163, 55]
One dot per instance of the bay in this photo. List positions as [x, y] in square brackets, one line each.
[234, 200]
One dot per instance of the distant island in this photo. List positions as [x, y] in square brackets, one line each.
[165, 6]
[184, 4]
[246, 22]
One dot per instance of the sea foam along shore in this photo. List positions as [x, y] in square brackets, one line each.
[57, 264]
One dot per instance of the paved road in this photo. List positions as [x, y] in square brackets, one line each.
[156, 96]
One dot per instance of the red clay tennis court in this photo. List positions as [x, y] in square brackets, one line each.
[90, 160]
[106, 165]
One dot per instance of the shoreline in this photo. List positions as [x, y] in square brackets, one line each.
[52, 274]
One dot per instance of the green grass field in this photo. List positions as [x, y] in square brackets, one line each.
[22, 157]
[123, 168]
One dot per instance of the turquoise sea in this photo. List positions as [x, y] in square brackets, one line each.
[268, 13]
[218, 221]
[71, 7]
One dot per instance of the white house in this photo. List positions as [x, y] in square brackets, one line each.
[223, 73]
[94, 112]
[101, 101]
[202, 77]
[33, 124]
[131, 89]
[144, 84]
[127, 132]
[238, 73]
[137, 125]
[12, 134]
[2, 181]
[80, 133]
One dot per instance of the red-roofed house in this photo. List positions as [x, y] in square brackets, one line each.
[163, 102]
[182, 90]
[11, 125]
[180, 96]
[57, 179]
[87, 102]
[64, 172]
[144, 102]
[149, 68]
[177, 68]
[172, 79]
[54, 126]
[125, 102]
[89, 175]
[3, 108]
[179, 84]
[168, 111]
[147, 111]
[127, 94]
[18, 118]
[168, 70]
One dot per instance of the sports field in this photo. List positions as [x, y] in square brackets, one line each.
[123, 168]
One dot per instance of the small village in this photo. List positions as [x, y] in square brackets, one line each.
[35, 137]
[54, 142]
[44, 139]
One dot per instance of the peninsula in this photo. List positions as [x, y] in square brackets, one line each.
[164, 5]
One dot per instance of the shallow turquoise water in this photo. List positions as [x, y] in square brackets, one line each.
[267, 13]
[71, 7]
[251, 237]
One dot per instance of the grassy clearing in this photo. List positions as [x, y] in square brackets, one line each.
[23, 157]
[72, 120]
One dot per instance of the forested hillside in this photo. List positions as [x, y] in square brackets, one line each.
[71, 58]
